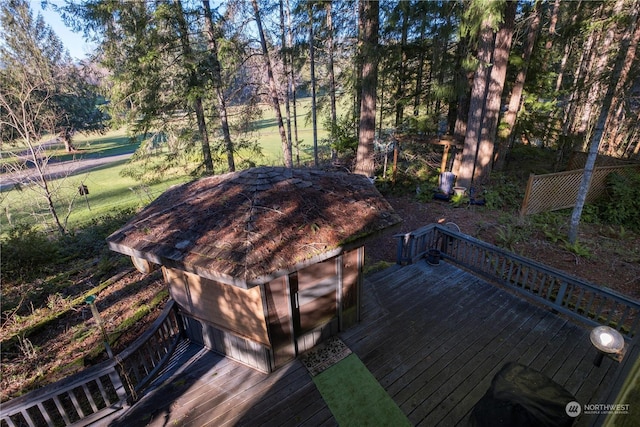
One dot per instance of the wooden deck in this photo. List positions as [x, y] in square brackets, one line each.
[434, 337]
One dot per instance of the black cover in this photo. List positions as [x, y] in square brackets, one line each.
[521, 396]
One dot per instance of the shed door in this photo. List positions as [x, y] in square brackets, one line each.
[315, 299]
[316, 304]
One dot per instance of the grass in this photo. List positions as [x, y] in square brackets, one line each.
[268, 137]
[110, 191]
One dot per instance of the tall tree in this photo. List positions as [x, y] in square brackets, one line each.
[369, 17]
[218, 86]
[284, 54]
[78, 105]
[193, 86]
[507, 126]
[488, 14]
[312, 66]
[404, 8]
[624, 59]
[331, 72]
[157, 66]
[273, 87]
[615, 126]
[491, 110]
[295, 141]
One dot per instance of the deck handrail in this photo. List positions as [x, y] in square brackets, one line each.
[101, 390]
[567, 294]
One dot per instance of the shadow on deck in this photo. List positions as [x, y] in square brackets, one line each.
[433, 336]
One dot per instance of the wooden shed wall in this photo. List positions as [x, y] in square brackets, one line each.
[231, 308]
[279, 311]
[243, 350]
[268, 325]
[352, 270]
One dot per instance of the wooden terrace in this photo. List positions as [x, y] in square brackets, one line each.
[433, 336]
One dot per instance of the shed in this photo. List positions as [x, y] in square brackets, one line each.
[263, 263]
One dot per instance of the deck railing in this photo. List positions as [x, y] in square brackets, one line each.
[570, 295]
[100, 390]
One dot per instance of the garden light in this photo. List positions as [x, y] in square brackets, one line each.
[607, 341]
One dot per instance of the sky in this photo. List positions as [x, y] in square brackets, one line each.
[75, 44]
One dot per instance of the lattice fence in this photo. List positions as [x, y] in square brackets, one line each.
[579, 158]
[560, 190]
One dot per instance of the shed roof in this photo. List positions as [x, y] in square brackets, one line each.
[245, 227]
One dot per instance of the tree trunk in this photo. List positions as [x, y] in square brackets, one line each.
[505, 134]
[502, 47]
[399, 97]
[292, 87]
[357, 65]
[202, 128]
[420, 72]
[273, 89]
[592, 84]
[476, 104]
[188, 59]
[331, 72]
[285, 66]
[619, 73]
[218, 86]
[553, 21]
[40, 162]
[458, 122]
[312, 61]
[570, 112]
[67, 140]
[369, 10]
[613, 125]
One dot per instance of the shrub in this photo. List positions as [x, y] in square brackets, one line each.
[26, 253]
[89, 241]
[620, 204]
[503, 193]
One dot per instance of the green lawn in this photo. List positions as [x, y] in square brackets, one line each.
[109, 191]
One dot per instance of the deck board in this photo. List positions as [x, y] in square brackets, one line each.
[433, 336]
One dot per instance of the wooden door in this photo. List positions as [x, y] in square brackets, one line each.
[315, 302]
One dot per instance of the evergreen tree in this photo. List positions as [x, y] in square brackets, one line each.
[369, 17]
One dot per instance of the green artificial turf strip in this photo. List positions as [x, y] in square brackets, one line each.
[355, 397]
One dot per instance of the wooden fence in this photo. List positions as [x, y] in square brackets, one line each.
[577, 298]
[101, 390]
[579, 158]
[555, 191]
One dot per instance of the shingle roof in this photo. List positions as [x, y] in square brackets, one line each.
[244, 226]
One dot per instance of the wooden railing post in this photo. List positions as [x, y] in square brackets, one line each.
[567, 294]
[149, 352]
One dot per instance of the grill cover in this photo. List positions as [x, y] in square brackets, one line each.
[521, 396]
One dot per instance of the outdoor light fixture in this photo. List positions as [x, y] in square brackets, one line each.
[607, 341]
